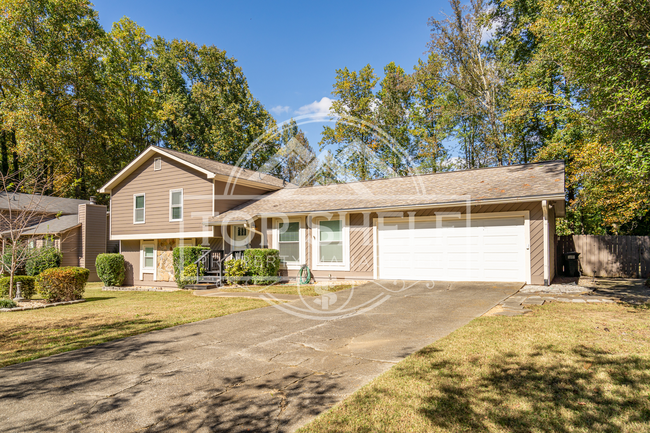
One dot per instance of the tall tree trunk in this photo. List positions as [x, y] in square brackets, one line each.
[4, 153]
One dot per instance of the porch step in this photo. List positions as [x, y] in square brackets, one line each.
[201, 286]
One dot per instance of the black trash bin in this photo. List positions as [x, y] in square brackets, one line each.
[571, 264]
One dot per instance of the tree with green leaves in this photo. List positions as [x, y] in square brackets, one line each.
[354, 133]
[131, 102]
[393, 115]
[206, 106]
[475, 80]
[429, 123]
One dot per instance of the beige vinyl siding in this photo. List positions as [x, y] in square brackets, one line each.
[197, 197]
[131, 252]
[70, 245]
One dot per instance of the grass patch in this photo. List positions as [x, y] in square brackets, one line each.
[564, 368]
[288, 289]
[105, 316]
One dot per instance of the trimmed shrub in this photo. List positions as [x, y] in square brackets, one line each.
[43, 258]
[110, 269]
[263, 265]
[235, 271]
[28, 288]
[188, 276]
[184, 256]
[62, 284]
[7, 303]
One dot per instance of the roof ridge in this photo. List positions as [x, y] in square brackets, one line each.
[409, 176]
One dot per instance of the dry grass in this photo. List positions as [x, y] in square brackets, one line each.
[106, 316]
[289, 289]
[564, 368]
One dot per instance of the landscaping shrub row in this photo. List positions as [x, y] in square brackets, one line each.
[260, 265]
[54, 284]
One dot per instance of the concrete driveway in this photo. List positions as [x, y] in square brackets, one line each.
[260, 370]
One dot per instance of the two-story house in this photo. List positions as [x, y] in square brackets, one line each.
[493, 224]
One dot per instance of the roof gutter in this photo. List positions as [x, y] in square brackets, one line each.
[552, 197]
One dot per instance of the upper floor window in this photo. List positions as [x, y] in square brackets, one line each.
[138, 209]
[157, 164]
[176, 205]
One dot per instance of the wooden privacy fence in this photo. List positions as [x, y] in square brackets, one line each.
[607, 256]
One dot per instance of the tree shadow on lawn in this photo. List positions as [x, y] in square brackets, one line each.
[596, 391]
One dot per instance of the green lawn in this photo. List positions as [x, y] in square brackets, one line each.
[563, 368]
[106, 316]
[288, 289]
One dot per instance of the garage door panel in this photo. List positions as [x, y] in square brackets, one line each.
[485, 250]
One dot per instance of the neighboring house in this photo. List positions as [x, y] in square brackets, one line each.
[78, 228]
[492, 224]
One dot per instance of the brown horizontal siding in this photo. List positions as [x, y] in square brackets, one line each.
[70, 245]
[228, 196]
[197, 197]
[93, 220]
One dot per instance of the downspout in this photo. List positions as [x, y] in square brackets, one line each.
[546, 243]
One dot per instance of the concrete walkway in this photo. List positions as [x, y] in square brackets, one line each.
[260, 370]
[585, 291]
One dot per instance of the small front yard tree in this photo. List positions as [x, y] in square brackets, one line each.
[18, 213]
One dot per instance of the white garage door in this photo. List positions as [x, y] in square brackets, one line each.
[484, 249]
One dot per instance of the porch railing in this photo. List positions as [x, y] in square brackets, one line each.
[212, 262]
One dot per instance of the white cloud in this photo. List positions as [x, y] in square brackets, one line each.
[317, 108]
[280, 109]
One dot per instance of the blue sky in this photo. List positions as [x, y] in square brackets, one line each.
[289, 51]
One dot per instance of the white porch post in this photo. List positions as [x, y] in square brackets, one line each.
[546, 243]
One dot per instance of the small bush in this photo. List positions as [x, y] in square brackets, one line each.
[263, 265]
[62, 284]
[188, 276]
[184, 256]
[28, 288]
[110, 269]
[235, 271]
[7, 303]
[42, 259]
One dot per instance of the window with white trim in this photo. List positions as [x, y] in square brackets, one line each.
[138, 208]
[331, 244]
[330, 241]
[176, 205]
[148, 257]
[157, 164]
[289, 242]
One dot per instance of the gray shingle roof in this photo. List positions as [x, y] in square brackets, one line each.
[226, 169]
[517, 182]
[53, 226]
[66, 206]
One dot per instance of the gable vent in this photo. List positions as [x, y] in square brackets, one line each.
[157, 165]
